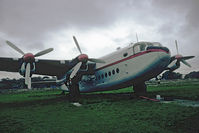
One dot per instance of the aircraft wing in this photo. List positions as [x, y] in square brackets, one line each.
[9, 64]
[52, 67]
[43, 66]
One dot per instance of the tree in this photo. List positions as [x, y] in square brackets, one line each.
[192, 75]
[171, 75]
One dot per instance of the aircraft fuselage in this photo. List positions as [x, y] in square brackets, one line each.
[125, 67]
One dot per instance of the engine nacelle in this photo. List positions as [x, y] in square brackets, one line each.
[89, 69]
[174, 65]
[22, 70]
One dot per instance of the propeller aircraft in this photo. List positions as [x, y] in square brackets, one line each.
[128, 66]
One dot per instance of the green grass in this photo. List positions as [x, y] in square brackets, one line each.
[113, 111]
[27, 96]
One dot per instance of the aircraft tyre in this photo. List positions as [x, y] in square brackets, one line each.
[140, 89]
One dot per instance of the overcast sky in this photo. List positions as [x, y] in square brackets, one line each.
[100, 26]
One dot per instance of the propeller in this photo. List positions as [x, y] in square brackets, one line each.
[181, 58]
[82, 58]
[28, 58]
[21, 52]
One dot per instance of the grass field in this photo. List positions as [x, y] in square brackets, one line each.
[108, 112]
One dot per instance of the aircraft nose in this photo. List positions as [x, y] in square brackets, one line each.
[166, 50]
[164, 57]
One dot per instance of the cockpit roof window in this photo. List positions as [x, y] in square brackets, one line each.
[157, 44]
[147, 44]
[141, 46]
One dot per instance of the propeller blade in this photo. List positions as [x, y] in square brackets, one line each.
[186, 63]
[43, 52]
[15, 47]
[75, 70]
[75, 40]
[187, 57]
[176, 46]
[96, 60]
[64, 87]
[27, 76]
[29, 82]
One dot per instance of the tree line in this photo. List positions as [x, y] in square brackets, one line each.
[173, 75]
[37, 82]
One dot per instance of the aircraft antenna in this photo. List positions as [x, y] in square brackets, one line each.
[136, 36]
[177, 46]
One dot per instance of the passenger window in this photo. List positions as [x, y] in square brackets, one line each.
[117, 70]
[106, 75]
[109, 73]
[125, 54]
[113, 72]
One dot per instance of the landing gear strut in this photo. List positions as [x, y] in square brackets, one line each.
[74, 92]
[140, 88]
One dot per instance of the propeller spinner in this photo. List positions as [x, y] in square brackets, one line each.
[28, 58]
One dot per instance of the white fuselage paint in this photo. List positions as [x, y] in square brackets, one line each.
[123, 67]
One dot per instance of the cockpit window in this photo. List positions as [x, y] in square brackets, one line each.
[138, 47]
[157, 44]
[142, 46]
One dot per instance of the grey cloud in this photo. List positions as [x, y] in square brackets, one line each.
[29, 21]
[181, 16]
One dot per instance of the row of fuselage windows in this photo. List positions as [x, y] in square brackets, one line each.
[106, 74]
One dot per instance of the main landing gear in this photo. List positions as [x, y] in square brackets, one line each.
[74, 92]
[140, 88]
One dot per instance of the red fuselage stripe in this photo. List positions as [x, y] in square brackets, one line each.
[133, 56]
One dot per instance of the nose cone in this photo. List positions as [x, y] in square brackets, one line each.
[29, 57]
[165, 58]
[83, 57]
[166, 50]
[158, 49]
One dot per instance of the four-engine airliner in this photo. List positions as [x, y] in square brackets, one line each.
[128, 66]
